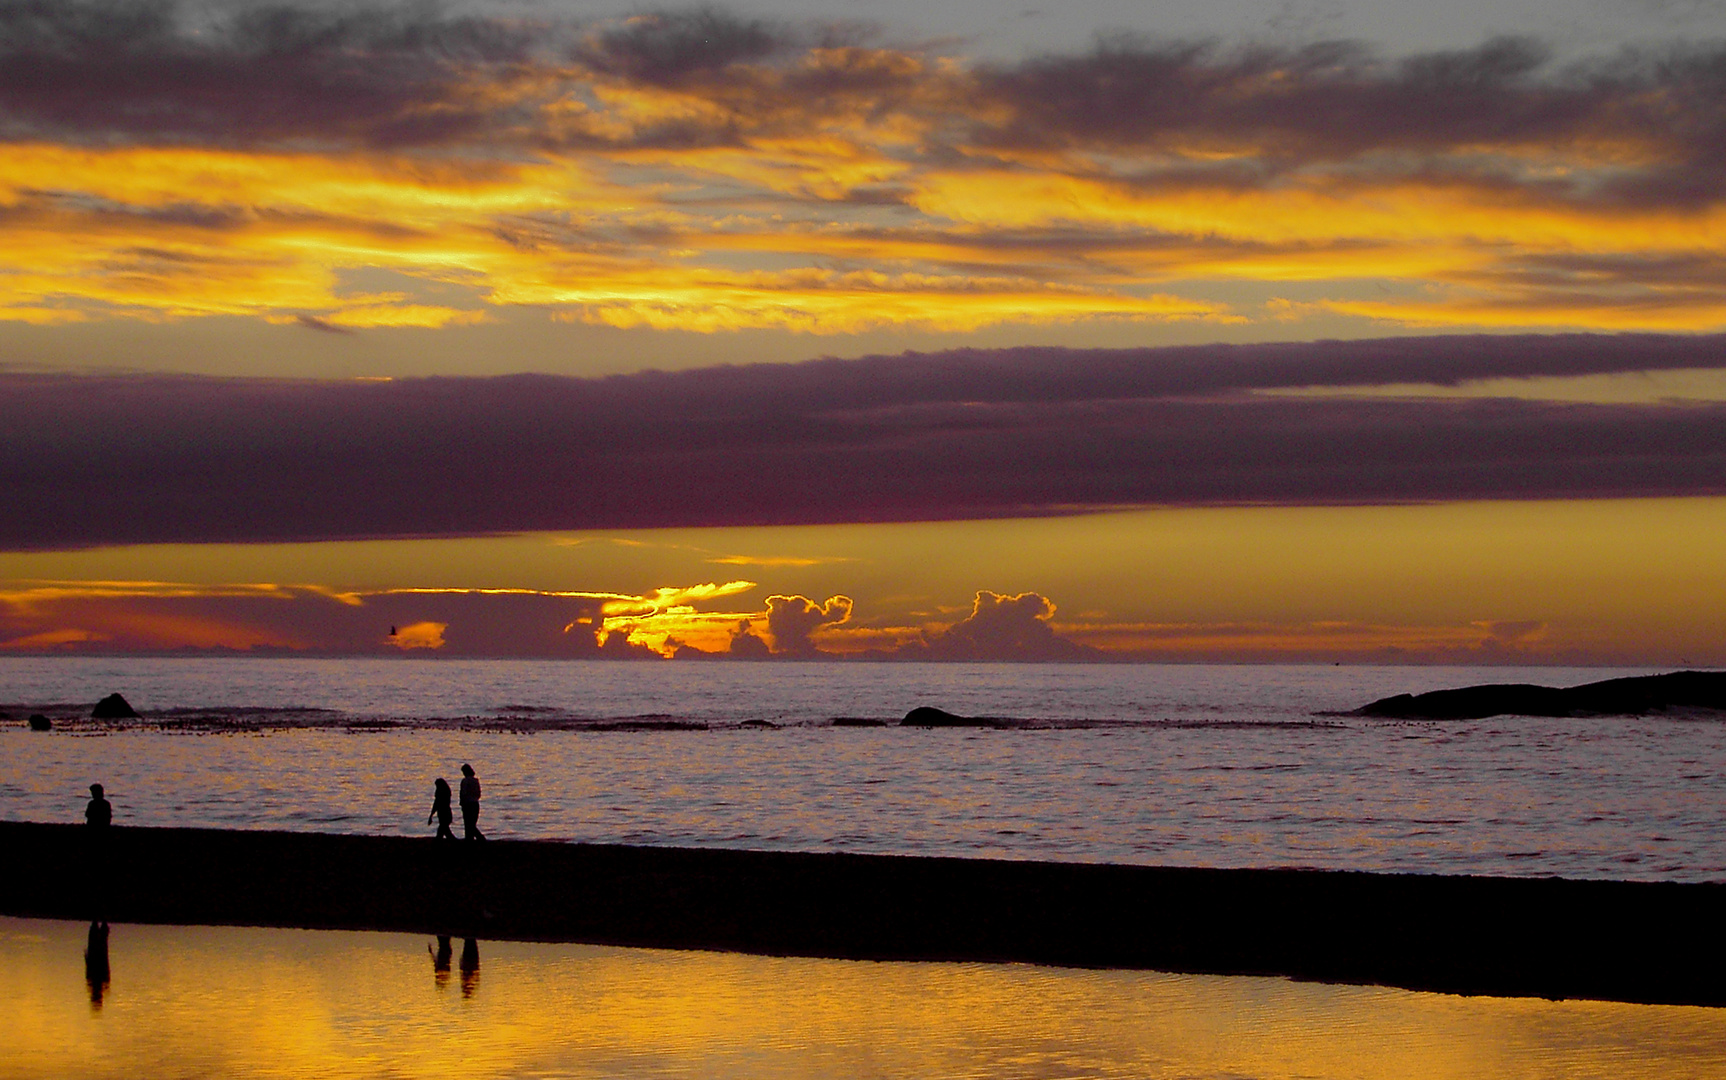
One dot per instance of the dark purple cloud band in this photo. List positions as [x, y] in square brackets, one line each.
[130, 459]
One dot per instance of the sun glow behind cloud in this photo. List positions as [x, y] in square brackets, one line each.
[704, 172]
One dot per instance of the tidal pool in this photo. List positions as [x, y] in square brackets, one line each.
[246, 1002]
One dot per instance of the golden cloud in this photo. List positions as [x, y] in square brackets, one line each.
[749, 178]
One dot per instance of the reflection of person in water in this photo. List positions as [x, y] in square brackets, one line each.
[440, 960]
[96, 962]
[469, 966]
[440, 809]
[100, 812]
[470, 803]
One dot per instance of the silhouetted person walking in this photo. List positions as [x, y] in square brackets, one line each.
[96, 962]
[470, 804]
[100, 813]
[441, 811]
[469, 966]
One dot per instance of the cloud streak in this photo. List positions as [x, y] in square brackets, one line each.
[135, 459]
[704, 171]
[143, 616]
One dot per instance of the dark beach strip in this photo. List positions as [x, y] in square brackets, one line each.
[1548, 937]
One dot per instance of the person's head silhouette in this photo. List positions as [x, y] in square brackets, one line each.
[100, 811]
[467, 770]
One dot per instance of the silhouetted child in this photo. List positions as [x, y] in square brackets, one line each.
[100, 812]
[96, 962]
[470, 803]
[441, 809]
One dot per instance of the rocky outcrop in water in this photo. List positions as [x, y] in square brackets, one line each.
[113, 707]
[929, 716]
[38, 722]
[1678, 691]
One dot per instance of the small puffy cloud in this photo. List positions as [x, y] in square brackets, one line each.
[1002, 627]
[420, 635]
[746, 644]
[792, 620]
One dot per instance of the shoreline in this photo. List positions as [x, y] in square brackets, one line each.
[1642, 942]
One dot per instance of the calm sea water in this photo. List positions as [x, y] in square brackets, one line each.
[1175, 765]
[167, 1002]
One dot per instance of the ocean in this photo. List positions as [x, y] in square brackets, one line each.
[1188, 765]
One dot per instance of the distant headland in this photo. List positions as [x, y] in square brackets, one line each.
[1675, 692]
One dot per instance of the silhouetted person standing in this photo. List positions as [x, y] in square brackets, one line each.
[96, 962]
[440, 959]
[441, 810]
[470, 804]
[100, 813]
[469, 966]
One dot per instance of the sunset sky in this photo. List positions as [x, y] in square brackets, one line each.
[1325, 330]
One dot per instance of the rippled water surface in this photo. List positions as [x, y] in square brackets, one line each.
[1179, 765]
[168, 1002]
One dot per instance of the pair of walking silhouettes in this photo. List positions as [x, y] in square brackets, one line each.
[444, 816]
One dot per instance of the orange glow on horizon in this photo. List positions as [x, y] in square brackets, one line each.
[1611, 581]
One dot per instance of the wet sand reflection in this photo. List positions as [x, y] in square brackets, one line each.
[243, 1001]
[96, 972]
[440, 961]
[469, 967]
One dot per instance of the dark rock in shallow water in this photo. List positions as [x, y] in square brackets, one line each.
[38, 722]
[113, 707]
[1641, 695]
[858, 721]
[759, 724]
[648, 724]
[929, 716]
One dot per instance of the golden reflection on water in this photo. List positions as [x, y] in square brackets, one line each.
[262, 1003]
